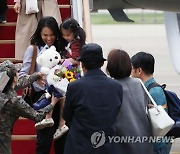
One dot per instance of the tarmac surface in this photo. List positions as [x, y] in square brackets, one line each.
[147, 38]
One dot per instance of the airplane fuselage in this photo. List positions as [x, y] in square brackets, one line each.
[163, 5]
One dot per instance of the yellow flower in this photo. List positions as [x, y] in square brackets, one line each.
[71, 80]
[69, 74]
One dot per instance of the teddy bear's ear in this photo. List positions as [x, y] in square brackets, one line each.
[39, 60]
[53, 48]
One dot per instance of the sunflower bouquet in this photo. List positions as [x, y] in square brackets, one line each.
[61, 75]
[68, 71]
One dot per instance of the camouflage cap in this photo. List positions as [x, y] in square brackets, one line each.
[10, 68]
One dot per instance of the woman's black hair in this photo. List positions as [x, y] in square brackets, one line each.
[72, 25]
[52, 24]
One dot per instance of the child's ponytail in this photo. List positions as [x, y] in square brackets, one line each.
[81, 35]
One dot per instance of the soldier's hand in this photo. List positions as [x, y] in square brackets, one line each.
[17, 7]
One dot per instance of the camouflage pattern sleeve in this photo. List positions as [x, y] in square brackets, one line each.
[19, 107]
[26, 80]
[3, 100]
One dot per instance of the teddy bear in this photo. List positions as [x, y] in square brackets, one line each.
[57, 76]
[48, 60]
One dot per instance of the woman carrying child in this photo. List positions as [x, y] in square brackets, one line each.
[46, 34]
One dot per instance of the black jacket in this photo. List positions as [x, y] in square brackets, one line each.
[91, 107]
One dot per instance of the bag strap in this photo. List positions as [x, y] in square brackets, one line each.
[33, 62]
[155, 84]
[152, 85]
[31, 71]
[152, 100]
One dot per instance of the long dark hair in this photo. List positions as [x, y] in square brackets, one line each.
[72, 25]
[52, 24]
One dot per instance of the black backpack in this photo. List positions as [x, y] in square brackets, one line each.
[173, 104]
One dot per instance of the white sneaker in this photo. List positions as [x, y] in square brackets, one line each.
[60, 131]
[44, 123]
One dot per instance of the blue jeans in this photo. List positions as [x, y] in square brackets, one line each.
[164, 150]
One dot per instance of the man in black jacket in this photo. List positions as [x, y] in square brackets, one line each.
[91, 107]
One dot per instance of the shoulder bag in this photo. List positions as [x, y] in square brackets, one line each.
[161, 122]
[28, 92]
[31, 6]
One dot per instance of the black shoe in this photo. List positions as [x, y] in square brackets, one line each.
[3, 19]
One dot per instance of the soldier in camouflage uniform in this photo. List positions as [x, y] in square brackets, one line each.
[11, 106]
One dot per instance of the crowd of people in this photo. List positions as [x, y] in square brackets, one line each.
[98, 106]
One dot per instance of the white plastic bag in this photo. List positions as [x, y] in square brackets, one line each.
[31, 6]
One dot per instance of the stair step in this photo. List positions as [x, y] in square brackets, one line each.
[24, 147]
[24, 126]
[7, 41]
[9, 29]
[10, 6]
[11, 15]
[8, 24]
[64, 6]
[66, 13]
[11, 2]
[63, 1]
[60, 6]
[23, 137]
[11, 59]
[7, 50]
